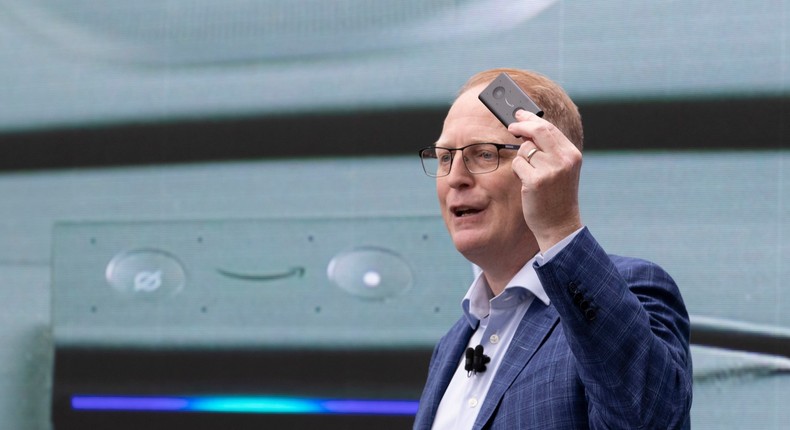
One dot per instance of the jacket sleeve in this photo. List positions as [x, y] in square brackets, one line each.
[628, 330]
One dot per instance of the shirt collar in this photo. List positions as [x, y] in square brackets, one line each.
[476, 304]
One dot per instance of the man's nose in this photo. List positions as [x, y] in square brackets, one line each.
[459, 175]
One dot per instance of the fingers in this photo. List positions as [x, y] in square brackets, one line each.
[545, 136]
[553, 148]
[521, 162]
[531, 153]
[521, 168]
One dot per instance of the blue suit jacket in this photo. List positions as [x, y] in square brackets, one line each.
[610, 352]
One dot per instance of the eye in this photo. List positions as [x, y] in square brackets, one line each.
[444, 157]
[484, 152]
[487, 155]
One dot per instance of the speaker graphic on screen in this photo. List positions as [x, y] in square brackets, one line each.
[268, 321]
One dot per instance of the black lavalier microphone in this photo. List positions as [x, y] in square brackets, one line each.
[475, 360]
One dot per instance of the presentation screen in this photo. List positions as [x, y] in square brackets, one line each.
[214, 215]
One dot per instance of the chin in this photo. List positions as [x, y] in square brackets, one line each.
[468, 244]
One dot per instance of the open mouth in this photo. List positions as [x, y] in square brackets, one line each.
[464, 211]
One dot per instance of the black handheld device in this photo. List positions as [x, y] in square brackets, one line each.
[503, 98]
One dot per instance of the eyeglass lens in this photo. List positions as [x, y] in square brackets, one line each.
[478, 158]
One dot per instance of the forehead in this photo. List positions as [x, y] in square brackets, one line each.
[469, 121]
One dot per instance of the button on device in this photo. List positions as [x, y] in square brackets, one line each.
[146, 273]
[370, 273]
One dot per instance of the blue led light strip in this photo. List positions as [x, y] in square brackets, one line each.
[244, 404]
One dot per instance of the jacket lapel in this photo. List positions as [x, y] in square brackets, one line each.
[534, 328]
[452, 349]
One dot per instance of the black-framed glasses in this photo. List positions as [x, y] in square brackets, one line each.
[478, 158]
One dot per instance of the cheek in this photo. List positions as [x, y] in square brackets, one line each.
[441, 193]
[509, 190]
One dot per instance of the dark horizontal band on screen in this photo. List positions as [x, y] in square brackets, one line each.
[634, 125]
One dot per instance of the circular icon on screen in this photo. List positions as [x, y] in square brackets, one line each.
[370, 273]
[146, 273]
[498, 92]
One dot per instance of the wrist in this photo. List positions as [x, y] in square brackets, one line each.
[552, 236]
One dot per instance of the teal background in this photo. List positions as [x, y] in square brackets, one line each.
[718, 221]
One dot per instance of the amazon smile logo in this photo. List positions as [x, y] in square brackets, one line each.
[294, 272]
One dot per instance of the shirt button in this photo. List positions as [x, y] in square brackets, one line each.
[494, 338]
[472, 402]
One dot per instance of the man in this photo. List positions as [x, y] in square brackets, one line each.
[576, 338]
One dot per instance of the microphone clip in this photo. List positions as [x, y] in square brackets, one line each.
[475, 360]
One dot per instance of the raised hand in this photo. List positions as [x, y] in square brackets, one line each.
[548, 165]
